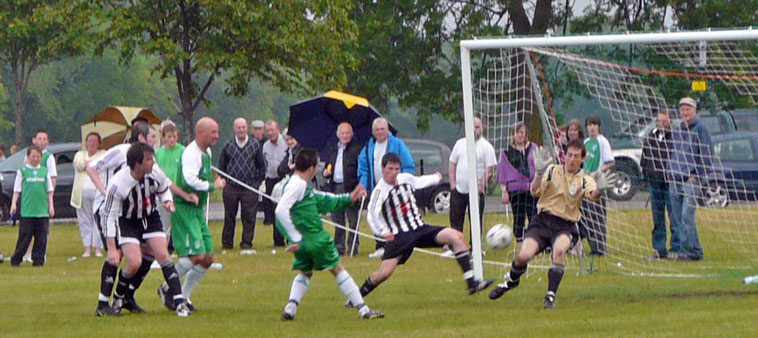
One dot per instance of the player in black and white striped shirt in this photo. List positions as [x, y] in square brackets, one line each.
[131, 215]
[394, 215]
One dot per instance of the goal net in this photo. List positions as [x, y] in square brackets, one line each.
[627, 80]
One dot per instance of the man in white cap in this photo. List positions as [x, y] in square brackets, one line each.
[258, 131]
[688, 167]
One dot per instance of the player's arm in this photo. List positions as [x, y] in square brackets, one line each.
[373, 216]
[192, 162]
[328, 202]
[110, 159]
[112, 210]
[50, 188]
[52, 169]
[538, 185]
[421, 182]
[293, 192]
[16, 191]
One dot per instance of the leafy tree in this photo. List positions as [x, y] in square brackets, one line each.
[299, 46]
[34, 33]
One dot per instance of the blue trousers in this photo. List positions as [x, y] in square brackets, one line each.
[684, 236]
[660, 202]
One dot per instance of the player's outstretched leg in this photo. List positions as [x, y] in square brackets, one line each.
[183, 265]
[129, 301]
[555, 273]
[194, 276]
[297, 291]
[350, 290]
[455, 238]
[528, 249]
[174, 288]
[107, 279]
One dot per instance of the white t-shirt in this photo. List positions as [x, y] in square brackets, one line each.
[485, 158]
[379, 149]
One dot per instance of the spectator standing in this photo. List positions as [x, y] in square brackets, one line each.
[287, 166]
[599, 159]
[515, 172]
[83, 195]
[258, 131]
[168, 157]
[688, 166]
[370, 161]
[34, 185]
[274, 151]
[241, 158]
[2, 153]
[573, 132]
[341, 173]
[655, 155]
[459, 177]
[41, 140]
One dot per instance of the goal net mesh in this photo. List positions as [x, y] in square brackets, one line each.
[627, 86]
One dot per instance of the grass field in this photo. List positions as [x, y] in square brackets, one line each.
[425, 298]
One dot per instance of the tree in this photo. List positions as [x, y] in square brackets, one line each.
[299, 46]
[34, 33]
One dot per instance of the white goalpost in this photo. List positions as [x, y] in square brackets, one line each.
[625, 79]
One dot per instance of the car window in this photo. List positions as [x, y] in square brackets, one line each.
[431, 154]
[64, 157]
[13, 162]
[747, 122]
[714, 124]
[740, 150]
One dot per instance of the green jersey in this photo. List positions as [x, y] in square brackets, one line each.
[33, 183]
[598, 153]
[194, 174]
[298, 214]
[168, 160]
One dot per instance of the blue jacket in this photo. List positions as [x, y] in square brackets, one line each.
[366, 160]
[691, 152]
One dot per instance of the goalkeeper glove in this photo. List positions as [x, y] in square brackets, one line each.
[605, 179]
[543, 157]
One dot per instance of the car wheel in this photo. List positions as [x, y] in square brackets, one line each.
[715, 196]
[440, 201]
[626, 182]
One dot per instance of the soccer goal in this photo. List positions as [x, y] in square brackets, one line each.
[626, 80]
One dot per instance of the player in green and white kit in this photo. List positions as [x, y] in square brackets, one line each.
[189, 228]
[298, 217]
[168, 158]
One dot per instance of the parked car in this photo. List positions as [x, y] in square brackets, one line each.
[431, 157]
[627, 149]
[735, 166]
[746, 119]
[64, 157]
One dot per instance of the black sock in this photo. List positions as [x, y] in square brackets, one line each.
[107, 279]
[515, 274]
[554, 276]
[172, 279]
[464, 260]
[367, 287]
[140, 275]
[124, 282]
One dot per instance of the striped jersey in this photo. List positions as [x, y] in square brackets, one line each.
[112, 161]
[393, 209]
[134, 199]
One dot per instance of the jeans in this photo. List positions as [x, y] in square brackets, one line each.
[458, 206]
[247, 200]
[684, 237]
[523, 206]
[339, 218]
[660, 202]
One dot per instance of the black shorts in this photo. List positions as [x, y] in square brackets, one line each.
[100, 229]
[545, 229]
[137, 231]
[402, 247]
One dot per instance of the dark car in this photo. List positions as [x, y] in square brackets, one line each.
[431, 157]
[746, 119]
[64, 158]
[735, 174]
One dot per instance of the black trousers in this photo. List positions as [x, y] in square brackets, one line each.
[523, 206]
[592, 225]
[339, 218]
[458, 208]
[268, 211]
[29, 227]
[235, 197]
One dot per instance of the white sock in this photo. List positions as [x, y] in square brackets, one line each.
[194, 277]
[183, 265]
[350, 290]
[299, 287]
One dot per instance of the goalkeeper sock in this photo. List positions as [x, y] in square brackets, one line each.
[193, 278]
[140, 275]
[299, 287]
[367, 287]
[464, 260]
[514, 275]
[350, 290]
[554, 276]
[107, 279]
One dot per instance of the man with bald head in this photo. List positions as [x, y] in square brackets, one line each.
[274, 151]
[189, 228]
[341, 172]
[241, 158]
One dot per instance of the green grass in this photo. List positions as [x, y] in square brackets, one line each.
[425, 297]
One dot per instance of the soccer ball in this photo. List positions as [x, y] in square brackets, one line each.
[499, 236]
